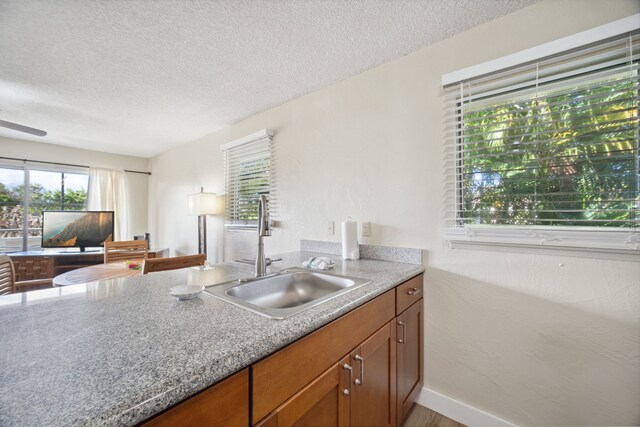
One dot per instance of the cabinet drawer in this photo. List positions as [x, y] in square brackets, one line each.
[408, 293]
[224, 404]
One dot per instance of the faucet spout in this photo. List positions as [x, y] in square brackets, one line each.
[264, 230]
[264, 222]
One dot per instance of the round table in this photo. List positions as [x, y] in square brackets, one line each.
[112, 270]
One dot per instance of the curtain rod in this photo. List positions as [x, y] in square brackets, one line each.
[65, 164]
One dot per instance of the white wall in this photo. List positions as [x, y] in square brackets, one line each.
[533, 339]
[138, 184]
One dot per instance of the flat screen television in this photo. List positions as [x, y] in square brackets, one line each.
[76, 229]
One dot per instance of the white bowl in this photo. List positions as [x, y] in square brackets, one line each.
[186, 292]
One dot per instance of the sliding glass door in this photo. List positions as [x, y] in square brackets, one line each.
[11, 201]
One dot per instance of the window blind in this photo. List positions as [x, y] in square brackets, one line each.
[548, 144]
[248, 174]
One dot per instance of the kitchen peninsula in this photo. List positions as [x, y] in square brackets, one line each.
[118, 352]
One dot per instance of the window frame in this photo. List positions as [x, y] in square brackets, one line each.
[233, 153]
[600, 242]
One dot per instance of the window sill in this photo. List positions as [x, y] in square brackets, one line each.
[621, 245]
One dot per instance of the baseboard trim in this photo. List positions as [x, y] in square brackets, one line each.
[458, 411]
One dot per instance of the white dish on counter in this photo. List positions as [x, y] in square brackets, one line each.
[185, 292]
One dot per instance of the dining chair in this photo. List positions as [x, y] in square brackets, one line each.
[125, 250]
[7, 276]
[161, 264]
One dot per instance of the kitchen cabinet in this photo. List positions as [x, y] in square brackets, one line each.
[357, 391]
[281, 375]
[410, 345]
[223, 404]
[386, 363]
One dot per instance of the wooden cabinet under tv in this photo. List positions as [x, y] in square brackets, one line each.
[44, 266]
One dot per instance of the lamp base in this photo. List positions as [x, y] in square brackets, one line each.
[202, 234]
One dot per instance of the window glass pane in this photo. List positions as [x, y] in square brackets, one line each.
[11, 226]
[250, 187]
[565, 157]
[53, 191]
[75, 192]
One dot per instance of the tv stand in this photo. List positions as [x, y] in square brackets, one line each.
[45, 265]
[82, 250]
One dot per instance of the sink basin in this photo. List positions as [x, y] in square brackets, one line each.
[287, 293]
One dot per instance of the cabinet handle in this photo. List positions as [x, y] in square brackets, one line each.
[347, 391]
[404, 336]
[360, 381]
[413, 291]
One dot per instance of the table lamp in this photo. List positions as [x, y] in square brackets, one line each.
[202, 204]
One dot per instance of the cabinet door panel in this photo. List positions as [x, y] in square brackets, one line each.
[410, 357]
[322, 403]
[373, 397]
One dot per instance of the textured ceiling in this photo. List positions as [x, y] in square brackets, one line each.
[140, 77]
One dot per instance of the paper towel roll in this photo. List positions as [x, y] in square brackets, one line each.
[350, 248]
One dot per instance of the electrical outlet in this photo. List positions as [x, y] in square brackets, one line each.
[366, 229]
[330, 228]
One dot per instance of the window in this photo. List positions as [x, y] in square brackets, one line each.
[248, 174]
[48, 190]
[545, 150]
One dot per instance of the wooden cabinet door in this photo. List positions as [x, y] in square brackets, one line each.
[410, 357]
[374, 387]
[324, 402]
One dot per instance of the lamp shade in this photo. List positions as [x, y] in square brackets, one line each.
[203, 204]
[221, 204]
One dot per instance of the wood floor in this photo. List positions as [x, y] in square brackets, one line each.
[419, 416]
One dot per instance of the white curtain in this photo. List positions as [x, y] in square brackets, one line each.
[108, 192]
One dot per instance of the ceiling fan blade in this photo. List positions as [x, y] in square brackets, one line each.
[20, 128]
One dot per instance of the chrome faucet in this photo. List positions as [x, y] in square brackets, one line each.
[264, 230]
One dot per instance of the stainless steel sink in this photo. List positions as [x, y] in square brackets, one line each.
[287, 293]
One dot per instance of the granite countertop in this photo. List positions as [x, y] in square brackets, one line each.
[116, 352]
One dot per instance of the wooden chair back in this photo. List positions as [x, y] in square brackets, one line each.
[125, 250]
[7, 276]
[161, 264]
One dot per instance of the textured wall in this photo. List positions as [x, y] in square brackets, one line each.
[138, 185]
[534, 339]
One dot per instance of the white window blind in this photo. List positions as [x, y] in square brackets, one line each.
[547, 152]
[248, 174]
